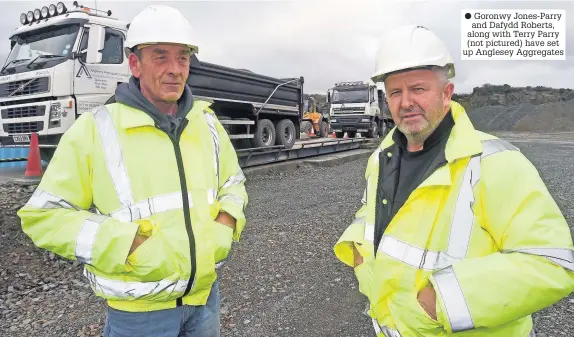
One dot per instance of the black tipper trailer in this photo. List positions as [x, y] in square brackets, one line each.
[263, 110]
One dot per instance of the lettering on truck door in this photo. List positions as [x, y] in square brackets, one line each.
[94, 84]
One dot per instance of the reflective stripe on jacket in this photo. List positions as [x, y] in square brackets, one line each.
[135, 177]
[482, 229]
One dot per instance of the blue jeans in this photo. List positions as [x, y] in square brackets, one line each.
[184, 321]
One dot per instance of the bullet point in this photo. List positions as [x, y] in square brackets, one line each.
[467, 15]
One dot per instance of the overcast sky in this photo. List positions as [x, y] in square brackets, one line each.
[329, 41]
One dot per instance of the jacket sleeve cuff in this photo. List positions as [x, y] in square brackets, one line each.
[236, 211]
[354, 236]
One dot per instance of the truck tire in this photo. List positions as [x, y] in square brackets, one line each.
[324, 130]
[384, 129]
[306, 127]
[373, 130]
[264, 134]
[285, 132]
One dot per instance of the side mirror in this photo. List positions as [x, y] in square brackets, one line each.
[95, 44]
[328, 97]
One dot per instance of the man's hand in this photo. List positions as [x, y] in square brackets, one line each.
[427, 299]
[358, 257]
[226, 219]
[138, 240]
[224, 235]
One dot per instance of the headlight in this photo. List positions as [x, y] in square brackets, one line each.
[55, 111]
[334, 120]
[365, 120]
[30, 16]
[52, 10]
[37, 14]
[44, 12]
[23, 18]
[55, 115]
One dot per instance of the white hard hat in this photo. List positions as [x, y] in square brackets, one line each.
[411, 47]
[160, 24]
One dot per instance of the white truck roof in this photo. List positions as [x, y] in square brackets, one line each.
[77, 14]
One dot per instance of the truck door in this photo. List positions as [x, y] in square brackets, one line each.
[373, 101]
[95, 83]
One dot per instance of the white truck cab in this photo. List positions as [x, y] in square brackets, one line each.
[357, 107]
[62, 63]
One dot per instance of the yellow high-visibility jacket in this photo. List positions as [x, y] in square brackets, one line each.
[482, 229]
[140, 181]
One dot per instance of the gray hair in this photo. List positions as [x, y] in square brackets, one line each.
[442, 74]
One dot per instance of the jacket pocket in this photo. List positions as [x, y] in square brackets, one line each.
[365, 278]
[418, 319]
[422, 312]
[153, 260]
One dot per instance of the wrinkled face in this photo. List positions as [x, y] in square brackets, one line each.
[162, 70]
[418, 100]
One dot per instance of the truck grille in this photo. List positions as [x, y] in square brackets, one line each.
[25, 127]
[24, 111]
[349, 111]
[25, 87]
[348, 120]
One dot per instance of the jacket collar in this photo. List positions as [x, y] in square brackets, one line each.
[134, 118]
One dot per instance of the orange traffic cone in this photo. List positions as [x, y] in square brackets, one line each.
[34, 165]
[312, 133]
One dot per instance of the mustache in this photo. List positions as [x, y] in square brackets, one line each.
[411, 110]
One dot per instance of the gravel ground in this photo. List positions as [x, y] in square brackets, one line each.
[282, 278]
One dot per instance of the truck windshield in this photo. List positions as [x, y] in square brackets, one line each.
[46, 43]
[350, 96]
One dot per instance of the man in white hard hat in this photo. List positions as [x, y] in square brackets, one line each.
[457, 232]
[165, 180]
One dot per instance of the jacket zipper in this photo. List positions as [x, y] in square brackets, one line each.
[186, 213]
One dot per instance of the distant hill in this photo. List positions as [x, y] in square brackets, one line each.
[506, 108]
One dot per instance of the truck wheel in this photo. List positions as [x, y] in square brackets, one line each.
[306, 127]
[324, 130]
[264, 134]
[373, 130]
[285, 132]
[383, 130]
[339, 134]
[352, 134]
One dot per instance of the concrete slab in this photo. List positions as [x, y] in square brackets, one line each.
[339, 158]
[16, 174]
[318, 161]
